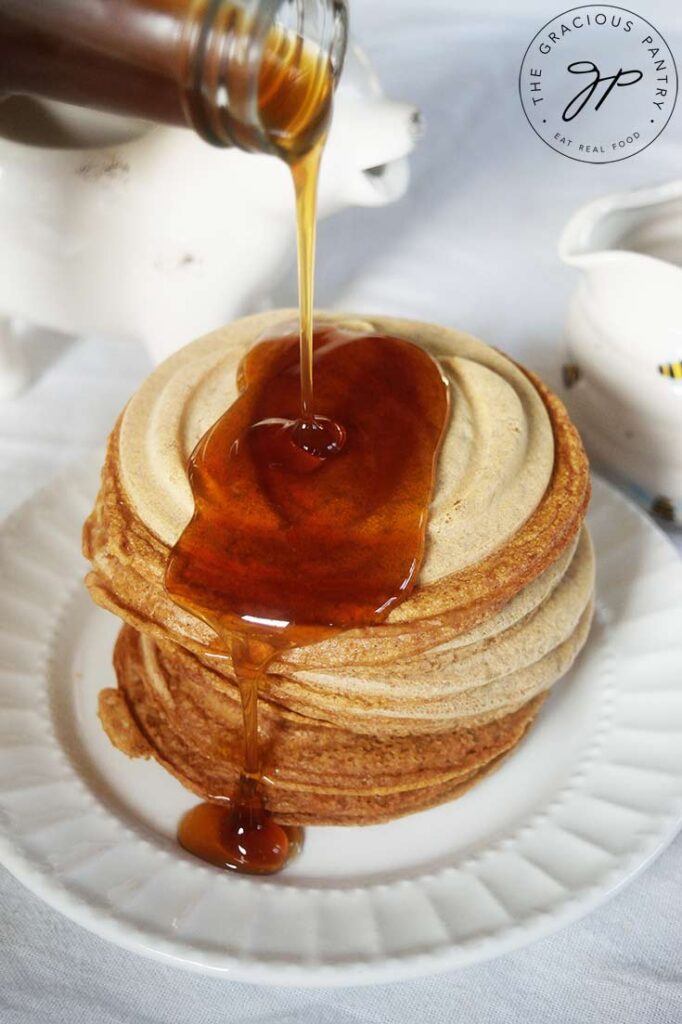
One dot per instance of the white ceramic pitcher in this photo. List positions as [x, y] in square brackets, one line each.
[624, 339]
[120, 228]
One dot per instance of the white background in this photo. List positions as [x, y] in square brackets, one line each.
[473, 245]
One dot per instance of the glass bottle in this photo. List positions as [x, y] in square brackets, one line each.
[257, 74]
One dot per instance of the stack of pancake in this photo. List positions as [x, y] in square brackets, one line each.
[379, 721]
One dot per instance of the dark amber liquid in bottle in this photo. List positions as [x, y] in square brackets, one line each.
[121, 56]
[196, 63]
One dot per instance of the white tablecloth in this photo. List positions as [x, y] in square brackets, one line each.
[473, 244]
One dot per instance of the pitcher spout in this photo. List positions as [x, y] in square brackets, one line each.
[645, 222]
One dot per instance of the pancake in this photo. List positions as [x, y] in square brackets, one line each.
[382, 720]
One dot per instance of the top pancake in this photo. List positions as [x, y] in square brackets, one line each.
[495, 464]
[511, 488]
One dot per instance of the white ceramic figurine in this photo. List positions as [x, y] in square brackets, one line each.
[113, 227]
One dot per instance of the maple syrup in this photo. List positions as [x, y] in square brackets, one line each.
[311, 492]
[240, 835]
[302, 528]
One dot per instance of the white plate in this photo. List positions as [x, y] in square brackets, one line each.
[593, 793]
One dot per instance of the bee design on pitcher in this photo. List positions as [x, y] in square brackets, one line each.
[673, 370]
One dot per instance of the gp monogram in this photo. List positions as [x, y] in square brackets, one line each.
[598, 83]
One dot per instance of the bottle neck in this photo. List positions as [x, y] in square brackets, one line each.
[259, 74]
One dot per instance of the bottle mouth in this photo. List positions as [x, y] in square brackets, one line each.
[260, 74]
